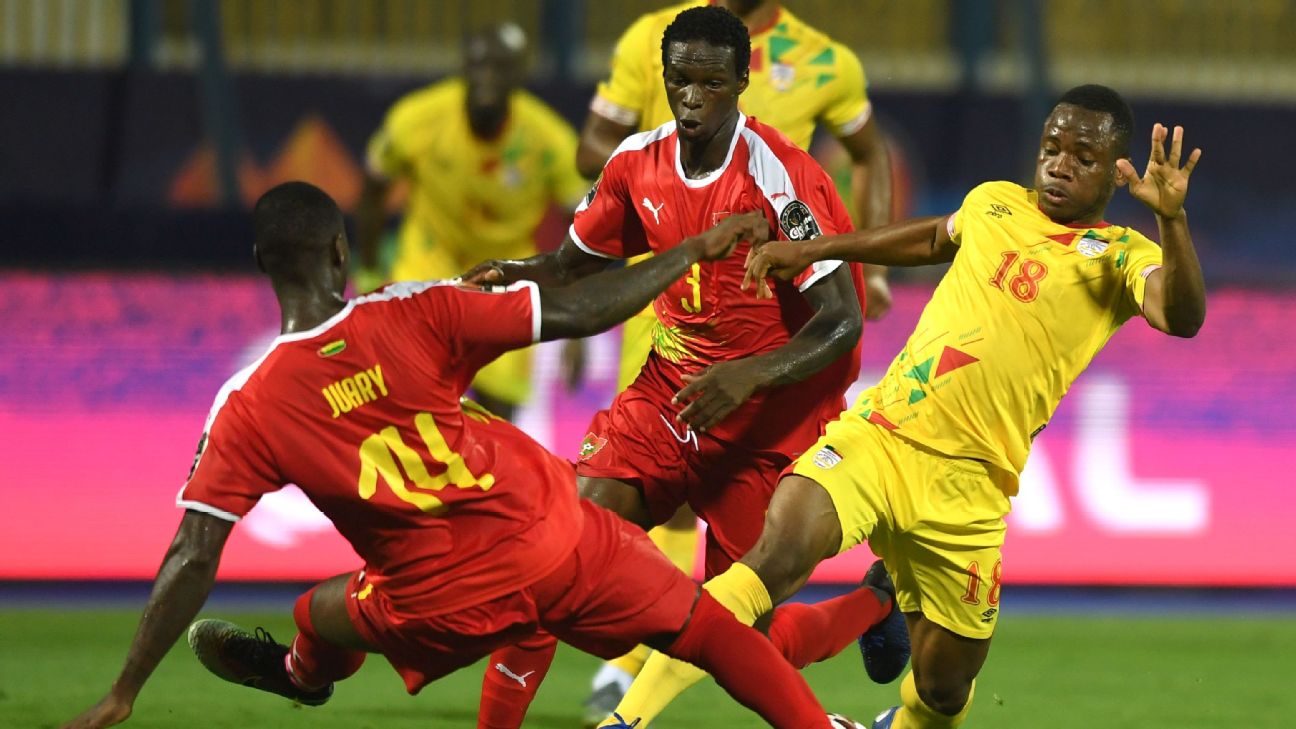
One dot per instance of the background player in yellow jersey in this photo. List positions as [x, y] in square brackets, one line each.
[923, 465]
[484, 161]
[799, 78]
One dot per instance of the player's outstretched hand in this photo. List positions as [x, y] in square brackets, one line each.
[710, 395]
[721, 240]
[108, 712]
[1164, 184]
[484, 274]
[781, 260]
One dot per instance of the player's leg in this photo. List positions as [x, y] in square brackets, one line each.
[617, 496]
[937, 692]
[601, 606]
[513, 676]
[326, 649]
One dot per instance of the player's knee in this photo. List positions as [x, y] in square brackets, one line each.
[780, 563]
[943, 693]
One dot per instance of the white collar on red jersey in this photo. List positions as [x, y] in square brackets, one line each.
[714, 174]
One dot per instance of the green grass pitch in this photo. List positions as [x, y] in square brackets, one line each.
[1043, 672]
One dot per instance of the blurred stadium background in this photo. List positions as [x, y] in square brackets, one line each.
[136, 133]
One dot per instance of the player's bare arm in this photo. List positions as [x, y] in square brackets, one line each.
[556, 268]
[916, 242]
[711, 395]
[179, 591]
[371, 215]
[598, 140]
[871, 201]
[600, 302]
[1175, 299]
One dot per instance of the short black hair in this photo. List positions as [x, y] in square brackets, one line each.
[716, 26]
[1096, 97]
[292, 224]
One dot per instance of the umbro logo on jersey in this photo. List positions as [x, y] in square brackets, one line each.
[998, 211]
[654, 210]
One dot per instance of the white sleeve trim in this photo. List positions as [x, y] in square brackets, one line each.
[581, 245]
[949, 225]
[1149, 269]
[821, 269]
[856, 124]
[534, 288]
[613, 111]
[207, 509]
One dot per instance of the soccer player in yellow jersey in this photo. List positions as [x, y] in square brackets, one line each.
[484, 160]
[923, 465]
[799, 78]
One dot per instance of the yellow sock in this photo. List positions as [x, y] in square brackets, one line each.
[914, 714]
[663, 678]
[679, 545]
[633, 662]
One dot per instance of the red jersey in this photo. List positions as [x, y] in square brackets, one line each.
[644, 203]
[447, 505]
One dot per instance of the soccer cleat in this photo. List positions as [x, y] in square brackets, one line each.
[837, 721]
[884, 720]
[249, 659]
[601, 703]
[885, 646]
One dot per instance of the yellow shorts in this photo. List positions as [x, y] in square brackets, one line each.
[937, 521]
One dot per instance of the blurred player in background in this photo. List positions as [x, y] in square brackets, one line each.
[799, 78]
[484, 160]
[471, 533]
[734, 388]
[923, 466]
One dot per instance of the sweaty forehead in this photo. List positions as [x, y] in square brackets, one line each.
[699, 53]
[1076, 121]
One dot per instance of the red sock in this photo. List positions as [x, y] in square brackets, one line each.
[748, 666]
[807, 634]
[313, 661]
[512, 678]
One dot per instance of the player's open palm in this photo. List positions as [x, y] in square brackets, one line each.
[109, 711]
[781, 260]
[1164, 184]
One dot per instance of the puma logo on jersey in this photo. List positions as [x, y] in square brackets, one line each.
[349, 393]
[654, 210]
[520, 679]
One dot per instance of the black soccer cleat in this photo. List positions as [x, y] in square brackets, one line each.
[254, 660]
[885, 646]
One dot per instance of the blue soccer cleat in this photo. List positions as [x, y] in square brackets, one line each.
[254, 660]
[621, 723]
[883, 720]
[885, 646]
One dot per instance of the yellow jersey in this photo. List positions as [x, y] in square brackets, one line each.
[1021, 312]
[472, 199]
[799, 77]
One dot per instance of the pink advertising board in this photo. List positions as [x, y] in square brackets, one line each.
[1170, 462]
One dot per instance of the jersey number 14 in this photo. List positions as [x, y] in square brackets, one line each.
[380, 452]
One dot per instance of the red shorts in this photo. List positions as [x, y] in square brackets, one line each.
[614, 592]
[637, 440]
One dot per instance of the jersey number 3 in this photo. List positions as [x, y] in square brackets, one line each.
[1025, 285]
[380, 452]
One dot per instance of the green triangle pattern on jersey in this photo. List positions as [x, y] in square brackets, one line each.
[922, 371]
[825, 58]
[824, 78]
[779, 47]
[916, 395]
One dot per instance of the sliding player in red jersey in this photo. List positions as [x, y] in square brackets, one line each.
[472, 534]
[736, 387]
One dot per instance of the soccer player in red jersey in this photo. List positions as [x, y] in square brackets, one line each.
[735, 386]
[472, 534]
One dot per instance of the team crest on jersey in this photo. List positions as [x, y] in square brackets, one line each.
[827, 457]
[782, 76]
[589, 196]
[797, 222]
[1091, 247]
[198, 453]
[717, 217]
[591, 445]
